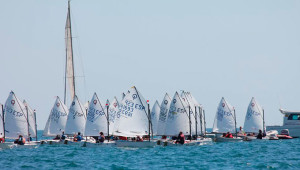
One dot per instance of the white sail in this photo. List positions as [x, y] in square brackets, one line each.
[190, 105]
[1, 122]
[163, 115]
[15, 117]
[178, 118]
[70, 76]
[57, 119]
[31, 119]
[224, 119]
[76, 118]
[155, 116]
[134, 117]
[113, 110]
[254, 117]
[96, 119]
[199, 112]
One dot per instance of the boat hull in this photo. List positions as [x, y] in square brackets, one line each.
[134, 144]
[95, 145]
[294, 130]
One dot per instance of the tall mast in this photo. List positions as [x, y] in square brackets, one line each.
[69, 70]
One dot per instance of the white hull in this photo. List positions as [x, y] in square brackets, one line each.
[222, 139]
[134, 144]
[294, 130]
[26, 145]
[95, 145]
[198, 142]
[52, 142]
[69, 142]
[6, 145]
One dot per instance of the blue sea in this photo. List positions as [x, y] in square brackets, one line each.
[281, 154]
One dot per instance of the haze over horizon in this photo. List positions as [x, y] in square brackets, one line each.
[213, 49]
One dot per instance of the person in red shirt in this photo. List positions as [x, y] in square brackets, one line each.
[228, 135]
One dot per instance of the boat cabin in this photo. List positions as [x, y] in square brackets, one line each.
[290, 117]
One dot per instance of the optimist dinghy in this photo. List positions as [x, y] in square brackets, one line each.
[134, 121]
[225, 121]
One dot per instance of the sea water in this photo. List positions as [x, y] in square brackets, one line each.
[262, 154]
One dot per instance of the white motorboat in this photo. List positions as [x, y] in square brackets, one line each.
[291, 121]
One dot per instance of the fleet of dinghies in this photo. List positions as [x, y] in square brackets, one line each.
[129, 123]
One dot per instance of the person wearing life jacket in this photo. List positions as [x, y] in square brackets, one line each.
[260, 135]
[139, 139]
[228, 135]
[101, 138]
[78, 137]
[2, 140]
[63, 136]
[21, 140]
[180, 138]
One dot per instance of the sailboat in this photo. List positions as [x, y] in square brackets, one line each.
[225, 121]
[134, 120]
[56, 122]
[78, 111]
[76, 119]
[155, 116]
[163, 115]
[31, 116]
[16, 120]
[113, 110]
[4, 145]
[254, 120]
[179, 120]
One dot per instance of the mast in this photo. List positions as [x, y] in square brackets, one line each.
[69, 56]
[200, 116]
[264, 122]
[3, 121]
[190, 122]
[36, 135]
[149, 121]
[107, 107]
[196, 122]
[27, 122]
[235, 123]
[204, 122]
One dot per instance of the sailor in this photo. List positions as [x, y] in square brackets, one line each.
[57, 137]
[20, 140]
[101, 138]
[180, 138]
[242, 132]
[228, 135]
[29, 137]
[63, 136]
[78, 137]
[139, 139]
[260, 135]
[2, 140]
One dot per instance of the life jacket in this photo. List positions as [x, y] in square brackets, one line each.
[123, 138]
[2, 140]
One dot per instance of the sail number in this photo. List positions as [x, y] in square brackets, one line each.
[222, 113]
[13, 112]
[92, 113]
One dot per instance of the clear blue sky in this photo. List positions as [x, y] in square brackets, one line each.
[236, 49]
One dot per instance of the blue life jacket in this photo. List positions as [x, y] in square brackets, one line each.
[79, 138]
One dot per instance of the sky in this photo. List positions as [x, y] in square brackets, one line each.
[234, 49]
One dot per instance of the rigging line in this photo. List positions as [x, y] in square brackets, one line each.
[188, 102]
[21, 108]
[61, 105]
[229, 109]
[80, 106]
[101, 106]
[141, 102]
[182, 104]
[258, 108]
